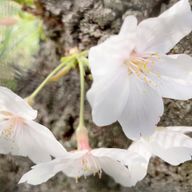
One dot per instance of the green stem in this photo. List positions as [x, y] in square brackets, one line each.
[61, 73]
[84, 53]
[56, 70]
[82, 93]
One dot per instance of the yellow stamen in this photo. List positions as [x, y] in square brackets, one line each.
[90, 165]
[141, 66]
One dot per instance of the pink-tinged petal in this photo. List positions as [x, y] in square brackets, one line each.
[126, 168]
[129, 26]
[108, 56]
[14, 104]
[162, 33]
[173, 147]
[142, 110]
[108, 95]
[37, 142]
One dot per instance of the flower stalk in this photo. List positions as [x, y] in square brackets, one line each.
[82, 93]
[47, 80]
[82, 132]
[62, 73]
[67, 64]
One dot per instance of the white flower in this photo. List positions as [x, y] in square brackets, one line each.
[20, 135]
[131, 71]
[170, 144]
[125, 167]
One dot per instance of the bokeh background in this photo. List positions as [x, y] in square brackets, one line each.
[34, 48]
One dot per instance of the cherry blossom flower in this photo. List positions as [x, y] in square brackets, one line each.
[131, 71]
[20, 135]
[125, 167]
[170, 144]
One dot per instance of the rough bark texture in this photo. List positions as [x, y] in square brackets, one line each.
[82, 24]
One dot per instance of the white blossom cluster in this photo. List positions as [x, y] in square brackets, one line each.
[131, 73]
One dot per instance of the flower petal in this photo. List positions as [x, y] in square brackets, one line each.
[117, 171]
[173, 89]
[37, 142]
[142, 148]
[173, 156]
[12, 103]
[156, 35]
[125, 167]
[41, 173]
[178, 66]
[142, 111]
[108, 56]
[173, 147]
[171, 76]
[108, 97]
[7, 144]
[180, 129]
[112, 153]
[168, 139]
[129, 26]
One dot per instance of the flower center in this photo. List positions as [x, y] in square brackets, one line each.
[8, 131]
[91, 165]
[141, 65]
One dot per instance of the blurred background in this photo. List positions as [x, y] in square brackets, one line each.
[37, 34]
